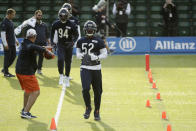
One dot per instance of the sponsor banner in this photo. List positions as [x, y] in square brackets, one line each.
[129, 45]
[143, 45]
[173, 44]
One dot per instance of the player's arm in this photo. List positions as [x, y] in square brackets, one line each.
[4, 41]
[75, 33]
[47, 35]
[53, 35]
[30, 22]
[3, 36]
[79, 53]
[103, 52]
[37, 48]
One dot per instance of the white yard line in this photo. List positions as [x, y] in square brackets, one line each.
[60, 103]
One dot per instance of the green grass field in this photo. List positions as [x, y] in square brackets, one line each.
[125, 91]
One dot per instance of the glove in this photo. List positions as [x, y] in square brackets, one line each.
[86, 60]
[80, 55]
[94, 57]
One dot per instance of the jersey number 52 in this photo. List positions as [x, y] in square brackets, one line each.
[87, 48]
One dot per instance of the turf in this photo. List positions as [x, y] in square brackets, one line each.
[125, 91]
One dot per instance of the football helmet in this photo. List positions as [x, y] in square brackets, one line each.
[90, 28]
[64, 15]
[68, 7]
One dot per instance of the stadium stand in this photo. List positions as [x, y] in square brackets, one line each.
[144, 19]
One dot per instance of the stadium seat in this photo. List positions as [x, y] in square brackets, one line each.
[156, 31]
[156, 8]
[31, 9]
[86, 9]
[4, 1]
[17, 8]
[141, 32]
[17, 1]
[45, 8]
[84, 17]
[184, 31]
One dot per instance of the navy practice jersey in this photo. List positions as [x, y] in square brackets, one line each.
[88, 46]
[74, 20]
[8, 26]
[67, 32]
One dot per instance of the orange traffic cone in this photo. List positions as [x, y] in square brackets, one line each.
[53, 125]
[168, 127]
[158, 96]
[148, 103]
[151, 80]
[154, 85]
[164, 115]
[149, 73]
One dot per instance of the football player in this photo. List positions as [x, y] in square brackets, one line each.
[72, 18]
[91, 49]
[64, 33]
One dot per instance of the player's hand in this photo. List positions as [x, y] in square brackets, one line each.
[17, 43]
[94, 57]
[80, 55]
[6, 47]
[113, 26]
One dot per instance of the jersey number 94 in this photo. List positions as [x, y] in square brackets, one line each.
[63, 33]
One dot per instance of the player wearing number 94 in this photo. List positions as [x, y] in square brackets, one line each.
[64, 33]
[91, 50]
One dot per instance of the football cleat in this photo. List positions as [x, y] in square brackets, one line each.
[27, 115]
[96, 115]
[8, 75]
[61, 80]
[87, 112]
[39, 72]
[67, 81]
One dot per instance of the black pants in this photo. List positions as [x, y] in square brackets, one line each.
[40, 61]
[93, 77]
[40, 57]
[64, 58]
[170, 29]
[9, 57]
[122, 29]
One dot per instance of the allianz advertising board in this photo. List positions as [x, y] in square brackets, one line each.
[173, 44]
[143, 45]
[129, 45]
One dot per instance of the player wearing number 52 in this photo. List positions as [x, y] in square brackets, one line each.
[91, 50]
[64, 34]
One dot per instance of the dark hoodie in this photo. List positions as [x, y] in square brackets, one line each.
[26, 62]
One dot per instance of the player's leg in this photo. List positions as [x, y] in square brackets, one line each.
[86, 81]
[60, 54]
[40, 63]
[13, 55]
[26, 97]
[97, 88]
[124, 29]
[32, 91]
[31, 100]
[118, 30]
[68, 60]
[7, 56]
